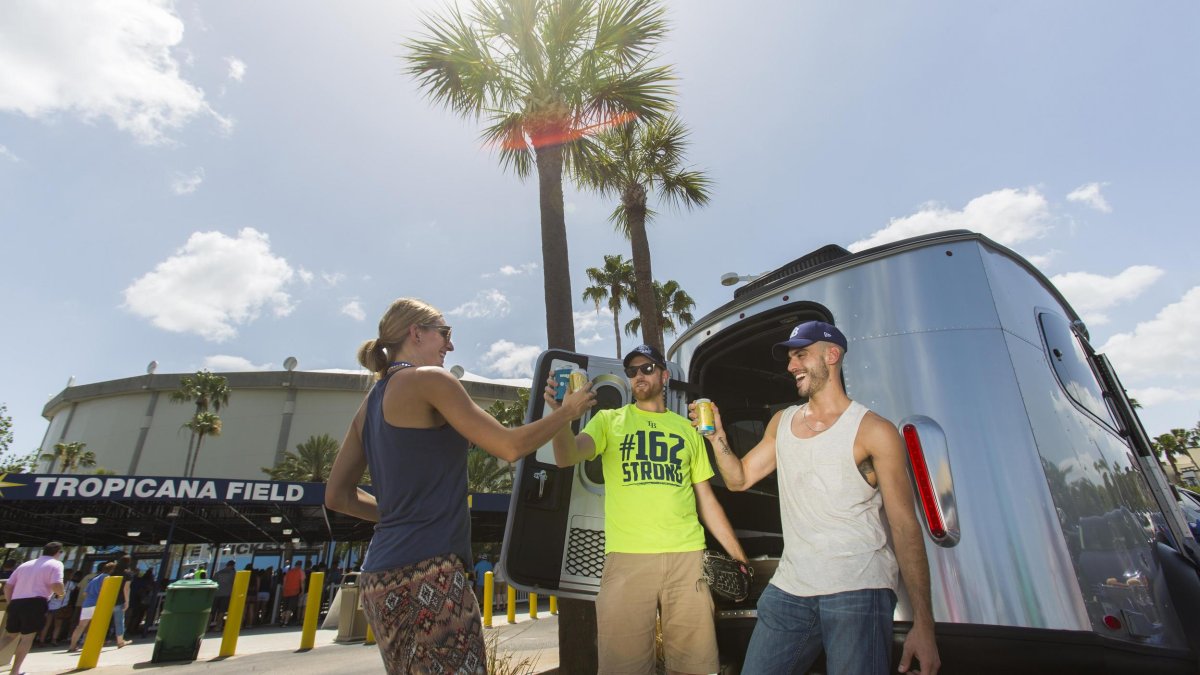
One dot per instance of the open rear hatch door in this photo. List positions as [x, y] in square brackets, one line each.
[554, 538]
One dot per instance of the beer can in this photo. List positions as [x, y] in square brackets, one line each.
[562, 380]
[704, 417]
[578, 380]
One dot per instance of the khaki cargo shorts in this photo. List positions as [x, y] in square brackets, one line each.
[634, 588]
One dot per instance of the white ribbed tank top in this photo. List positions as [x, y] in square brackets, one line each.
[833, 534]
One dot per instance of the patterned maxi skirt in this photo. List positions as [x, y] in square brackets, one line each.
[425, 618]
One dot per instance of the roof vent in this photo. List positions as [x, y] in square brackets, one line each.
[819, 257]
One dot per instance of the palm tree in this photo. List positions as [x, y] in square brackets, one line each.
[310, 463]
[1176, 442]
[511, 413]
[6, 435]
[486, 474]
[629, 162]
[544, 73]
[70, 456]
[11, 463]
[612, 283]
[674, 309]
[205, 390]
[203, 424]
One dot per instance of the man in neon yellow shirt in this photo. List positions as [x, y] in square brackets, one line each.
[656, 494]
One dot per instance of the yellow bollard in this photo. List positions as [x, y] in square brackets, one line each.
[237, 607]
[533, 605]
[312, 609]
[554, 604]
[512, 605]
[98, 628]
[370, 635]
[489, 586]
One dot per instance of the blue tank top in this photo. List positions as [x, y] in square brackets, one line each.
[420, 483]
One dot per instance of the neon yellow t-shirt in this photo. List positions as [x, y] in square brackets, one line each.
[650, 462]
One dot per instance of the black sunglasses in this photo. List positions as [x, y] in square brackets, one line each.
[444, 330]
[645, 369]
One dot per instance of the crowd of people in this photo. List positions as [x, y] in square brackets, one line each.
[41, 613]
[289, 583]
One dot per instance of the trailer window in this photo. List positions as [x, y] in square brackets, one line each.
[1071, 365]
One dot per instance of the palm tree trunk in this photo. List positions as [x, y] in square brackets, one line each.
[635, 207]
[187, 461]
[195, 456]
[556, 271]
[617, 331]
[577, 652]
[1170, 453]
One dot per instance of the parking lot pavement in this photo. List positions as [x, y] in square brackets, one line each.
[276, 650]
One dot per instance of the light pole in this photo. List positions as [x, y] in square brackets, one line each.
[172, 515]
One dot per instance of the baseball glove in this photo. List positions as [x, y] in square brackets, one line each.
[727, 578]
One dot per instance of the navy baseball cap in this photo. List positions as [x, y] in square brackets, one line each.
[648, 352]
[807, 333]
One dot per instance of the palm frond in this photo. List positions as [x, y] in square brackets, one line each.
[566, 32]
[507, 135]
[646, 92]
[453, 64]
[685, 189]
[593, 165]
[627, 31]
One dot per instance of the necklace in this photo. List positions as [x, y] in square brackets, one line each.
[400, 364]
[804, 419]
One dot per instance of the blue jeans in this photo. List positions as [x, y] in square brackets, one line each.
[854, 627]
[118, 621]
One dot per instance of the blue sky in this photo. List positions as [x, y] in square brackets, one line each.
[225, 184]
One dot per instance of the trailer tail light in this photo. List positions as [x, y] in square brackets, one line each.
[1111, 622]
[925, 489]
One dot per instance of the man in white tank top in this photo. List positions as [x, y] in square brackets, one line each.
[838, 463]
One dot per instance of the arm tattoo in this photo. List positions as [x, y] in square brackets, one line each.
[867, 469]
[724, 446]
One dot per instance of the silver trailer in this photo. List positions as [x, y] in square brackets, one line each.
[1054, 541]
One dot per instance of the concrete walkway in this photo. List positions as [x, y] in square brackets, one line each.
[276, 650]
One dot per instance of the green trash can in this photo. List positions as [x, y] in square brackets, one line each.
[184, 620]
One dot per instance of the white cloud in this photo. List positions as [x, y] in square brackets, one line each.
[589, 324]
[490, 303]
[213, 284]
[1089, 195]
[1091, 293]
[305, 276]
[1168, 345]
[1008, 216]
[99, 58]
[513, 270]
[187, 183]
[508, 359]
[5, 152]
[333, 278]
[237, 68]
[226, 363]
[354, 310]
[1043, 260]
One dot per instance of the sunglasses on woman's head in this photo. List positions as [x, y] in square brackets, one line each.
[645, 369]
[443, 330]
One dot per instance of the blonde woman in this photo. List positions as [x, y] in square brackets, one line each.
[413, 430]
